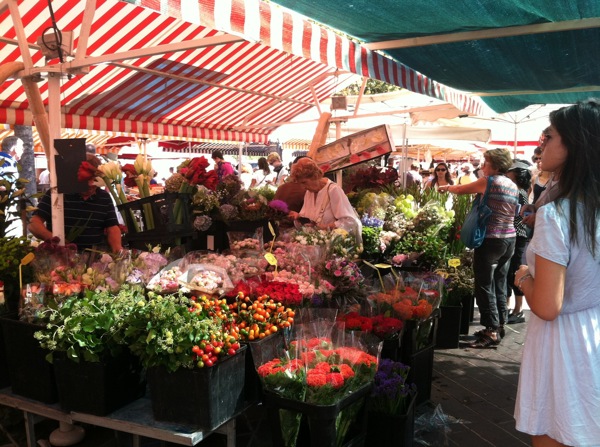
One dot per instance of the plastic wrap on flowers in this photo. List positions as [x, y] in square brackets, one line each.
[326, 374]
[348, 282]
[241, 242]
[205, 278]
[166, 281]
[237, 268]
[283, 375]
[353, 228]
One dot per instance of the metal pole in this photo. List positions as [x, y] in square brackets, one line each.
[515, 143]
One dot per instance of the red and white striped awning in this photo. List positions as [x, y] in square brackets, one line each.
[229, 70]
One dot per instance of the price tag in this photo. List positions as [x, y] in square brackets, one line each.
[271, 259]
[383, 266]
[454, 262]
[271, 229]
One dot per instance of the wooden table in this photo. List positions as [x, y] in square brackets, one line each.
[135, 418]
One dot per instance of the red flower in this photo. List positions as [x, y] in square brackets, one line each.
[195, 173]
[86, 172]
[130, 175]
[316, 378]
[287, 294]
[383, 326]
[335, 379]
[346, 371]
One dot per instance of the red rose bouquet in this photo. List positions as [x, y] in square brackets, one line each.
[379, 325]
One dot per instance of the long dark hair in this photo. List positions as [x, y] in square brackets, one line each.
[579, 128]
[448, 177]
[262, 164]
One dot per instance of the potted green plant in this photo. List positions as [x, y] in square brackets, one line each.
[195, 364]
[458, 292]
[86, 344]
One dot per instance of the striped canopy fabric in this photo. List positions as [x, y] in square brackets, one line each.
[512, 53]
[229, 70]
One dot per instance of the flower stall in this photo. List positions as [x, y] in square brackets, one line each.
[298, 318]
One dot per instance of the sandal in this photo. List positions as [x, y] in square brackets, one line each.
[482, 332]
[485, 342]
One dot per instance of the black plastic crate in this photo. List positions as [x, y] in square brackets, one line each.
[30, 374]
[321, 419]
[205, 398]
[99, 388]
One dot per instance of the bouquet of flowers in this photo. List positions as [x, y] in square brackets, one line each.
[166, 281]
[246, 244]
[252, 207]
[344, 275]
[277, 210]
[371, 177]
[205, 201]
[315, 371]
[380, 325]
[391, 394]
[205, 279]
[459, 281]
[287, 293]
[371, 229]
[336, 242]
[414, 296]
[229, 187]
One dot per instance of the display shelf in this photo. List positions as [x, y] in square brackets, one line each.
[135, 418]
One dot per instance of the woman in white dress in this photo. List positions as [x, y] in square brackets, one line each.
[325, 203]
[558, 400]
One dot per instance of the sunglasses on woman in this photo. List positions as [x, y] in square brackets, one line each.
[441, 170]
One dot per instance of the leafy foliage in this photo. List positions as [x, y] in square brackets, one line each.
[12, 199]
[90, 328]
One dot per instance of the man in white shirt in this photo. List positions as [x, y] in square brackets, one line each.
[12, 149]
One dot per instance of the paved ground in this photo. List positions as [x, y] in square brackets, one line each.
[472, 403]
[475, 390]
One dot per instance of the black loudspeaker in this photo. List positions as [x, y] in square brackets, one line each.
[71, 153]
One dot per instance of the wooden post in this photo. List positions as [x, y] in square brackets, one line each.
[320, 135]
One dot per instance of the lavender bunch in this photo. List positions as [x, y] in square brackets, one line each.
[391, 394]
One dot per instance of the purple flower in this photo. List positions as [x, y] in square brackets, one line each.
[372, 222]
[279, 205]
[391, 393]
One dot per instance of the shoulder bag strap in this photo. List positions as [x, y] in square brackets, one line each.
[487, 190]
[322, 211]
